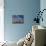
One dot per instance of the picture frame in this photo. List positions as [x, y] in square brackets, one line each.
[17, 19]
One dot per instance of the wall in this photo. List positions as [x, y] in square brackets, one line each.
[13, 32]
[1, 20]
[43, 6]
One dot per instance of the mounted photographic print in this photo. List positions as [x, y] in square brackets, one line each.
[18, 19]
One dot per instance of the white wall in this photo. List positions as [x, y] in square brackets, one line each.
[1, 20]
[43, 6]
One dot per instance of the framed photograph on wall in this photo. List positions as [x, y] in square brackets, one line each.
[17, 19]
